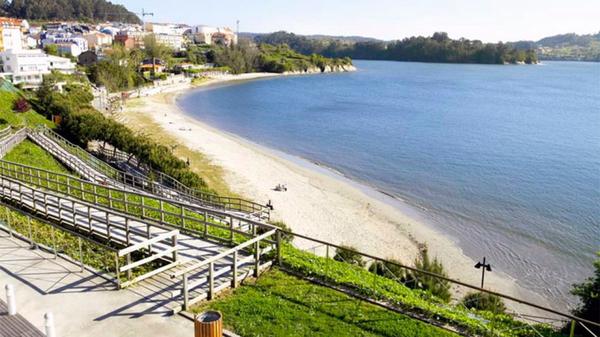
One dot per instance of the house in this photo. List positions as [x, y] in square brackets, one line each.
[11, 33]
[98, 40]
[61, 64]
[130, 39]
[10, 38]
[87, 58]
[26, 67]
[147, 65]
[67, 43]
[174, 42]
[213, 35]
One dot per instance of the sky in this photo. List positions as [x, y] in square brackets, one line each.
[486, 20]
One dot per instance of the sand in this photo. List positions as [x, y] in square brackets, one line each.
[318, 203]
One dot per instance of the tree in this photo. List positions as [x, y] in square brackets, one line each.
[155, 50]
[484, 301]
[589, 298]
[51, 49]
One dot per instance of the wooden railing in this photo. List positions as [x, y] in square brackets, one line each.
[5, 132]
[200, 221]
[162, 184]
[9, 142]
[96, 221]
[230, 261]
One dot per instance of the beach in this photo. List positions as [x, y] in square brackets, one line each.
[318, 202]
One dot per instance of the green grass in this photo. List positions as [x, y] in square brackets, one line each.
[28, 153]
[374, 286]
[279, 304]
[8, 116]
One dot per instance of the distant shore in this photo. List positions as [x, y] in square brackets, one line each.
[318, 203]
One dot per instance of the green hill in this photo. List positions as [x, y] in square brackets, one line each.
[82, 10]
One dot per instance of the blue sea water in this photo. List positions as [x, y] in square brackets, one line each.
[505, 159]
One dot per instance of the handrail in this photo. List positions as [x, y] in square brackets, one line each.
[215, 258]
[190, 195]
[6, 131]
[163, 211]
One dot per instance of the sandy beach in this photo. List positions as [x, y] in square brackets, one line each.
[318, 203]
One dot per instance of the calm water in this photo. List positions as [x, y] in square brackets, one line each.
[505, 159]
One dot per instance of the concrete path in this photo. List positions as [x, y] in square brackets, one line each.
[83, 304]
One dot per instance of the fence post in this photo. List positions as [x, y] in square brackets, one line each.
[256, 258]
[234, 281]
[211, 280]
[80, 254]
[129, 274]
[8, 222]
[572, 331]
[327, 251]
[53, 241]
[174, 245]
[186, 295]
[31, 243]
[279, 257]
[162, 212]
[117, 271]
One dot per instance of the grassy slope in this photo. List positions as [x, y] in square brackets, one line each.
[282, 305]
[7, 116]
[28, 153]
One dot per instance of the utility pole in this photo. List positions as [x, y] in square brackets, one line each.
[484, 267]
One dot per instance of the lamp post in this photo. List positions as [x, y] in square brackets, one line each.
[483, 266]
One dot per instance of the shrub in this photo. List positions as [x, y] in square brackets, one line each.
[21, 105]
[589, 297]
[349, 255]
[437, 287]
[387, 269]
[283, 226]
[484, 301]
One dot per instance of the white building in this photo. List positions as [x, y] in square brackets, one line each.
[28, 66]
[12, 38]
[165, 28]
[213, 35]
[61, 64]
[67, 43]
[24, 66]
[174, 42]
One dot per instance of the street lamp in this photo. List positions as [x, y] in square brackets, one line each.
[483, 267]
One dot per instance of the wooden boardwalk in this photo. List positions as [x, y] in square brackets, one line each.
[96, 170]
[183, 279]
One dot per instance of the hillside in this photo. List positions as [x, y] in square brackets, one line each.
[83, 10]
[570, 47]
[438, 48]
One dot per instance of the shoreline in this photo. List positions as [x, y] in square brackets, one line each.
[320, 202]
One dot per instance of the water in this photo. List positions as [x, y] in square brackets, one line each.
[505, 159]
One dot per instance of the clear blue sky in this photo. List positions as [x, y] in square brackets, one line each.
[487, 20]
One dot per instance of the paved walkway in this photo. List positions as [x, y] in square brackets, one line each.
[83, 304]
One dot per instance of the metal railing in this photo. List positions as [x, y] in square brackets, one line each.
[100, 223]
[162, 184]
[200, 221]
[374, 279]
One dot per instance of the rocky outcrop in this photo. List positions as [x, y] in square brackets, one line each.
[327, 69]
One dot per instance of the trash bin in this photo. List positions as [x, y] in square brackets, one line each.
[209, 324]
